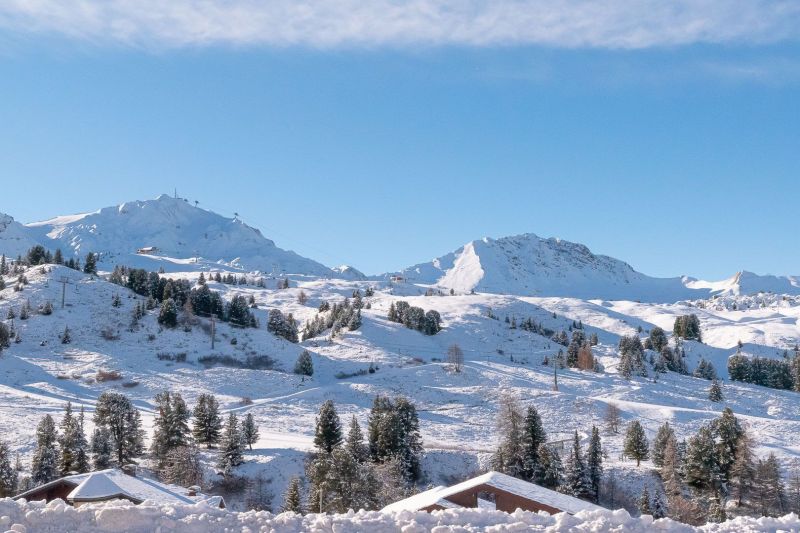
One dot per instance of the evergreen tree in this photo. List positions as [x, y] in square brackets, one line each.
[72, 443]
[249, 430]
[101, 449]
[171, 426]
[304, 366]
[644, 502]
[8, 475]
[328, 433]
[355, 442]
[576, 479]
[292, 502]
[551, 470]
[658, 510]
[115, 412]
[168, 316]
[665, 433]
[715, 392]
[66, 337]
[44, 467]
[658, 339]
[636, 445]
[727, 432]
[534, 436]
[207, 420]
[231, 446]
[594, 463]
[90, 265]
[702, 470]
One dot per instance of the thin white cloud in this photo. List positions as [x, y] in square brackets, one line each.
[626, 24]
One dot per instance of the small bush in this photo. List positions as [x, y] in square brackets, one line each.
[345, 375]
[246, 401]
[108, 375]
[253, 362]
[109, 334]
[177, 357]
[130, 384]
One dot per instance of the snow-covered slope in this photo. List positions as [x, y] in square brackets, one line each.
[529, 265]
[179, 232]
[15, 239]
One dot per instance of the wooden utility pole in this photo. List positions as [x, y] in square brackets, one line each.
[213, 332]
[555, 375]
[64, 280]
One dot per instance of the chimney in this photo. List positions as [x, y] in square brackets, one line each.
[129, 469]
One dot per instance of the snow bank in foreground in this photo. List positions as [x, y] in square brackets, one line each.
[38, 517]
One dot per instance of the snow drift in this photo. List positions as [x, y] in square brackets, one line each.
[57, 516]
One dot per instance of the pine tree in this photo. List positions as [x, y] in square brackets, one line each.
[644, 502]
[171, 426]
[551, 471]
[101, 449]
[576, 479]
[659, 509]
[534, 436]
[665, 433]
[715, 392]
[594, 463]
[66, 337]
[328, 433]
[168, 316]
[304, 366]
[727, 432]
[292, 502]
[72, 443]
[115, 412]
[207, 420]
[44, 467]
[90, 265]
[355, 442]
[636, 445]
[249, 431]
[8, 475]
[702, 469]
[231, 446]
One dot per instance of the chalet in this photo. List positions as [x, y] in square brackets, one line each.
[147, 250]
[115, 484]
[493, 490]
[397, 279]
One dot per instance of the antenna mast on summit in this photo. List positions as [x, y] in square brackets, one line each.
[176, 193]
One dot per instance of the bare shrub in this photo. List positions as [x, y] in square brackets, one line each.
[108, 375]
[455, 358]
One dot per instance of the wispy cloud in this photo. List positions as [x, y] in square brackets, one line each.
[624, 24]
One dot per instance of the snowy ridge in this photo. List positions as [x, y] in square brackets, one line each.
[179, 233]
[744, 283]
[529, 265]
[202, 518]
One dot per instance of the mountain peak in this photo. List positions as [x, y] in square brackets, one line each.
[179, 233]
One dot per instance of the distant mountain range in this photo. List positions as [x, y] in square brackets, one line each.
[175, 235]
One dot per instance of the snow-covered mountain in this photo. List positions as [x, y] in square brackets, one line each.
[744, 282]
[530, 265]
[15, 239]
[174, 234]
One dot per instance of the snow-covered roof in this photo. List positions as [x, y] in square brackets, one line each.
[113, 483]
[499, 481]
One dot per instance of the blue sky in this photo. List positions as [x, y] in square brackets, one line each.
[386, 145]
